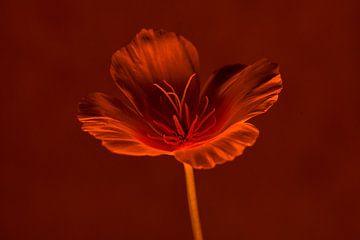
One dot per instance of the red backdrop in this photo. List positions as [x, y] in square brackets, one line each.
[300, 181]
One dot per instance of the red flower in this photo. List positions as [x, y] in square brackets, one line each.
[164, 108]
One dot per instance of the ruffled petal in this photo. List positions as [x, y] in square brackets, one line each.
[116, 125]
[240, 93]
[225, 147]
[152, 57]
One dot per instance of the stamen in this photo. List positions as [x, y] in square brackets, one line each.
[205, 119]
[212, 124]
[131, 100]
[186, 88]
[192, 127]
[160, 114]
[168, 96]
[154, 137]
[184, 131]
[205, 106]
[164, 127]
[165, 139]
[178, 126]
[153, 128]
[168, 84]
[174, 138]
[187, 115]
[176, 98]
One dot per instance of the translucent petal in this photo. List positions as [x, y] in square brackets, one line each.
[152, 57]
[118, 127]
[225, 147]
[240, 93]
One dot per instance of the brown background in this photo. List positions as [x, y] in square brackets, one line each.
[300, 181]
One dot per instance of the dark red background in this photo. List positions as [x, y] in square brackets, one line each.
[300, 181]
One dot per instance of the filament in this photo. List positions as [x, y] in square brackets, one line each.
[186, 88]
[203, 120]
[168, 96]
[178, 126]
[182, 129]
[164, 127]
[187, 115]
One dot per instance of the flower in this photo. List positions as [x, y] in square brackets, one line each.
[164, 107]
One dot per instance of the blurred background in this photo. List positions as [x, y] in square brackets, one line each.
[299, 181]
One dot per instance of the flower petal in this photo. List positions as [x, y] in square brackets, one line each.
[240, 93]
[225, 147]
[152, 57]
[211, 85]
[116, 125]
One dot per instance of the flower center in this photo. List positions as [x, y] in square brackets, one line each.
[183, 129]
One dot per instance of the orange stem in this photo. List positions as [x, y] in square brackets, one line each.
[193, 208]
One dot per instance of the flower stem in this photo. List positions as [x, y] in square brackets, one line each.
[193, 208]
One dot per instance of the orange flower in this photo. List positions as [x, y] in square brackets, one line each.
[164, 108]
